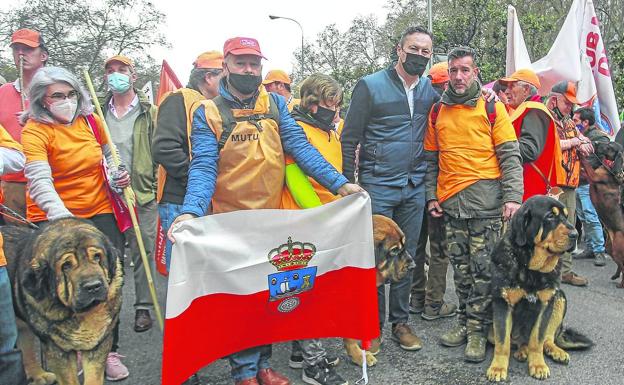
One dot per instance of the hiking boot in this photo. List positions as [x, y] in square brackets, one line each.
[269, 376]
[573, 279]
[375, 347]
[407, 340]
[322, 374]
[115, 369]
[585, 254]
[600, 259]
[296, 361]
[475, 348]
[433, 312]
[454, 337]
[417, 305]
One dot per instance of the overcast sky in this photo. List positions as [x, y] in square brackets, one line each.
[196, 26]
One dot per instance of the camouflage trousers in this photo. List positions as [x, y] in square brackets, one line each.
[469, 243]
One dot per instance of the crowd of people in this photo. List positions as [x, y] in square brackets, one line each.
[445, 157]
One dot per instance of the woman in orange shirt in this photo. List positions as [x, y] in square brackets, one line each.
[64, 164]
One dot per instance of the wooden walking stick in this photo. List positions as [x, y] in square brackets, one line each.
[21, 82]
[130, 201]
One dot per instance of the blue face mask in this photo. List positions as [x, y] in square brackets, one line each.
[118, 83]
[580, 127]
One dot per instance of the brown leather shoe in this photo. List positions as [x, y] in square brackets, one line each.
[271, 377]
[142, 320]
[574, 280]
[247, 381]
[407, 340]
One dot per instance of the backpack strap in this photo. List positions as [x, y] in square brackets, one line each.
[229, 121]
[435, 111]
[490, 109]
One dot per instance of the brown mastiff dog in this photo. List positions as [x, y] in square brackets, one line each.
[66, 281]
[606, 194]
[392, 261]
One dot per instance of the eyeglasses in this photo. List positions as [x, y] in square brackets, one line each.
[72, 95]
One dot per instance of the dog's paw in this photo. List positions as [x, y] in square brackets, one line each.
[521, 354]
[497, 373]
[556, 353]
[43, 378]
[539, 370]
[371, 360]
[356, 358]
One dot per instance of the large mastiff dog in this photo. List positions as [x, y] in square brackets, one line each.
[528, 305]
[392, 261]
[66, 283]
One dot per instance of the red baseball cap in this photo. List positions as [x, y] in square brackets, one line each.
[27, 37]
[242, 46]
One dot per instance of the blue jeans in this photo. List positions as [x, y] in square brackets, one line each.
[246, 363]
[591, 224]
[405, 206]
[8, 329]
[168, 212]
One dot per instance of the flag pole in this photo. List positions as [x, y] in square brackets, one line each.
[128, 196]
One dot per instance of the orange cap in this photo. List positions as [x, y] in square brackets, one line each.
[120, 58]
[27, 37]
[209, 60]
[439, 73]
[525, 75]
[567, 89]
[242, 46]
[276, 76]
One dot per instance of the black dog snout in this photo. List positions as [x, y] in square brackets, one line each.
[573, 234]
[93, 286]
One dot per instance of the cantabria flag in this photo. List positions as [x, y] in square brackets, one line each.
[253, 277]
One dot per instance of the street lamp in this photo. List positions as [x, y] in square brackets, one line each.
[273, 17]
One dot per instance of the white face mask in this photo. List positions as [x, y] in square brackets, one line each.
[64, 110]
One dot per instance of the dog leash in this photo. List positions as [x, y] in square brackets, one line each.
[10, 213]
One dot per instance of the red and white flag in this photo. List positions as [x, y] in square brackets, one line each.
[578, 55]
[254, 277]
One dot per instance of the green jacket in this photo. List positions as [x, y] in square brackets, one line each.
[143, 173]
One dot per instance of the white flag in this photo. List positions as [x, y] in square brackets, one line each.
[577, 55]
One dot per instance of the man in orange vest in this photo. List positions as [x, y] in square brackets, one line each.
[28, 47]
[560, 102]
[537, 135]
[474, 182]
[279, 82]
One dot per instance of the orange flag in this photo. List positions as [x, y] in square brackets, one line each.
[168, 82]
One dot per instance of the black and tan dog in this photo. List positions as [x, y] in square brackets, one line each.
[605, 191]
[393, 262]
[66, 283]
[528, 305]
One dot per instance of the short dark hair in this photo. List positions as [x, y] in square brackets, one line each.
[586, 113]
[459, 52]
[412, 30]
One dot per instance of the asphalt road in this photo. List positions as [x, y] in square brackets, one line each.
[597, 311]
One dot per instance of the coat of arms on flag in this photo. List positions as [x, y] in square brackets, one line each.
[256, 277]
[294, 276]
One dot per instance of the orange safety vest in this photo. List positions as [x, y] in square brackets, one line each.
[546, 171]
[190, 97]
[251, 163]
[328, 144]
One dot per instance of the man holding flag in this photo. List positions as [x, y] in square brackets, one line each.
[250, 165]
[130, 118]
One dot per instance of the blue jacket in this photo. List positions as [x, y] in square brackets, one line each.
[203, 170]
[390, 138]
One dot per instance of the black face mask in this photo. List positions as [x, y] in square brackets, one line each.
[415, 64]
[245, 84]
[325, 116]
